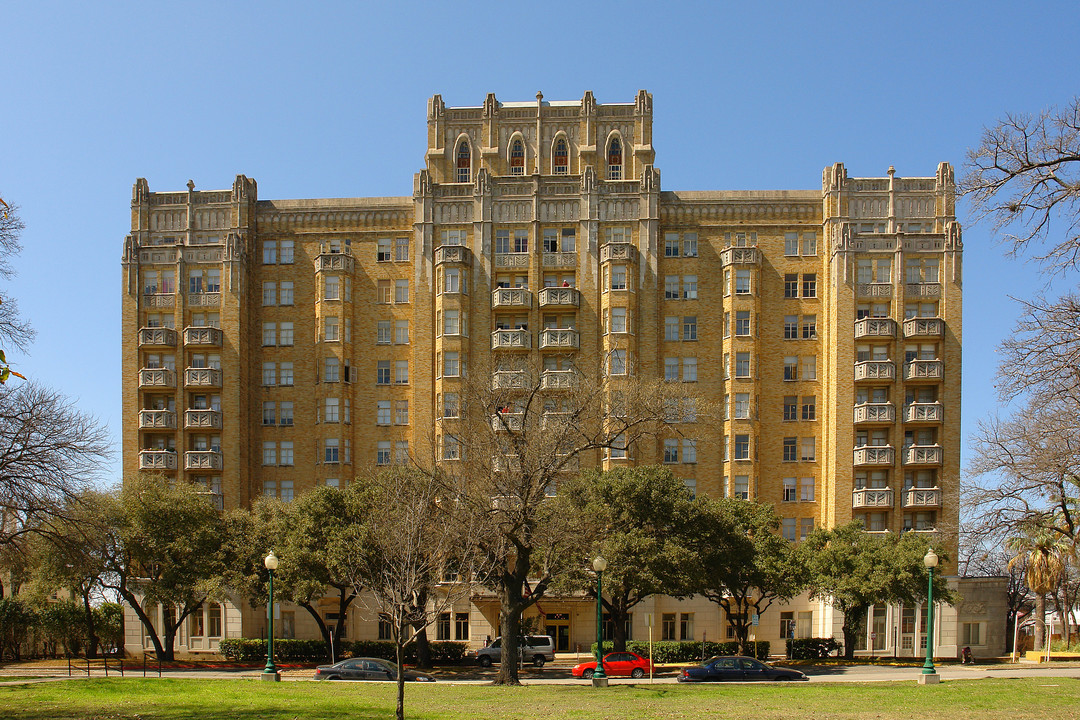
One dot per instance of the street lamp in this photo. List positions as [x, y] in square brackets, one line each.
[929, 674]
[270, 672]
[599, 564]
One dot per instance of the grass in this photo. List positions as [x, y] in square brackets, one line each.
[174, 699]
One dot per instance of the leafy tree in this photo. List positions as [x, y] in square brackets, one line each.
[16, 619]
[852, 570]
[165, 550]
[745, 564]
[642, 519]
[63, 624]
[1045, 559]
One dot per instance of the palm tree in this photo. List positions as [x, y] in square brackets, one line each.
[1045, 556]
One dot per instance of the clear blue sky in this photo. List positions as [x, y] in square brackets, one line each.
[329, 101]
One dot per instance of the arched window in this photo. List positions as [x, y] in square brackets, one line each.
[517, 158]
[560, 157]
[614, 160]
[464, 163]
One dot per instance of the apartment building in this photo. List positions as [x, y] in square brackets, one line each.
[273, 345]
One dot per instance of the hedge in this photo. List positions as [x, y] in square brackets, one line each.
[810, 648]
[680, 652]
[290, 650]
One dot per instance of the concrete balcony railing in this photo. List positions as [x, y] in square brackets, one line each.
[616, 251]
[508, 380]
[202, 419]
[202, 460]
[504, 421]
[555, 419]
[874, 455]
[923, 455]
[560, 297]
[875, 370]
[453, 254]
[871, 327]
[918, 370]
[512, 260]
[924, 413]
[511, 298]
[157, 420]
[559, 338]
[872, 498]
[875, 413]
[206, 299]
[559, 259]
[161, 336]
[923, 289]
[157, 460]
[872, 290]
[557, 379]
[511, 340]
[342, 262]
[157, 378]
[205, 336]
[506, 463]
[740, 256]
[202, 377]
[924, 327]
[922, 498]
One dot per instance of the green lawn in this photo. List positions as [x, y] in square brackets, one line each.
[170, 699]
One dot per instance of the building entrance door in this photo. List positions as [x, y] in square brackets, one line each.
[907, 632]
[558, 627]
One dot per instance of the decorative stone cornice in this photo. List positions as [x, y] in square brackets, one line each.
[321, 216]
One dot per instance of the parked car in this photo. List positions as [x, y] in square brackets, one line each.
[537, 649]
[737, 668]
[367, 669]
[615, 664]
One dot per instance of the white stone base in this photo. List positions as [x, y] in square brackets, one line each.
[931, 679]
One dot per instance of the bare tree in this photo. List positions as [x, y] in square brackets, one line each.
[517, 430]
[1042, 355]
[50, 452]
[14, 330]
[1025, 178]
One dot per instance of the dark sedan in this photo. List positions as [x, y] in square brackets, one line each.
[366, 669]
[738, 669]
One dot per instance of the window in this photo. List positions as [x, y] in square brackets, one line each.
[450, 405]
[269, 413]
[517, 167]
[742, 364]
[560, 157]
[791, 449]
[382, 250]
[451, 367]
[382, 453]
[617, 451]
[285, 293]
[286, 459]
[401, 452]
[464, 163]
[690, 327]
[453, 237]
[286, 373]
[791, 285]
[330, 411]
[671, 450]
[382, 372]
[791, 244]
[809, 367]
[971, 633]
[809, 327]
[689, 284]
[330, 450]
[382, 292]
[791, 327]
[401, 291]
[618, 277]
[742, 447]
[618, 320]
[286, 337]
[742, 322]
[809, 407]
[451, 448]
[451, 324]
[502, 241]
[809, 243]
[401, 249]
[286, 416]
[269, 252]
[671, 244]
[331, 329]
[451, 280]
[806, 489]
[689, 369]
[791, 367]
[671, 369]
[331, 287]
[269, 334]
[401, 412]
[689, 245]
[742, 406]
[269, 374]
[521, 241]
[269, 453]
[686, 626]
[615, 160]
[806, 526]
[269, 293]
[382, 336]
[742, 487]
[401, 332]
[671, 287]
[791, 411]
[671, 328]
[809, 449]
[617, 362]
[286, 256]
[809, 285]
[667, 626]
[689, 450]
[787, 625]
[789, 490]
[742, 281]
[787, 529]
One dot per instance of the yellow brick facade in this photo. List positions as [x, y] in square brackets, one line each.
[826, 323]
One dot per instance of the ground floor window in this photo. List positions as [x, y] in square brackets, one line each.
[385, 632]
[609, 627]
[686, 626]
[461, 626]
[442, 627]
[667, 626]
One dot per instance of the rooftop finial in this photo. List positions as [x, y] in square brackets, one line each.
[892, 171]
[190, 185]
[539, 96]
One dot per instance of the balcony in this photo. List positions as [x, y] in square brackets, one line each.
[559, 260]
[923, 327]
[506, 463]
[157, 420]
[342, 262]
[511, 340]
[512, 260]
[557, 380]
[740, 256]
[458, 254]
[205, 336]
[157, 378]
[508, 380]
[929, 498]
[874, 290]
[160, 336]
[929, 290]
[207, 299]
[202, 460]
[871, 327]
[558, 338]
[560, 297]
[875, 413]
[875, 370]
[923, 455]
[157, 460]
[924, 413]
[511, 298]
[555, 419]
[871, 498]
[618, 251]
[504, 421]
[924, 370]
[874, 455]
[202, 419]
[202, 377]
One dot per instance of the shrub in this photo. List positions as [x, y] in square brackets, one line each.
[810, 648]
[668, 651]
[288, 650]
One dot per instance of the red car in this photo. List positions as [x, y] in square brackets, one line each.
[616, 663]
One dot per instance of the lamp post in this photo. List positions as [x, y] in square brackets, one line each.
[929, 673]
[599, 678]
[270, 672]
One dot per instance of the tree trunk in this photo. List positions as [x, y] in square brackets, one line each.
[423, 647]
[145, 619]
[618, 628]
[400, 649]
[323, 629]
[1040, 622]
[91, 635]
[510, 627]
[852, 618]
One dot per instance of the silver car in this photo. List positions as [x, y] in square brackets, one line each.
[537, 649]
